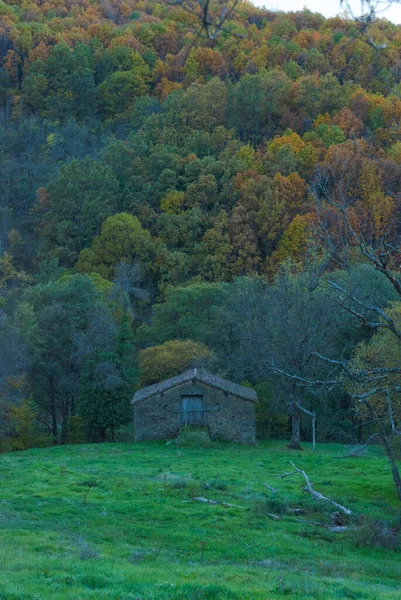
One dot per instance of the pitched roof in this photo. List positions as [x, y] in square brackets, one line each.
[194, 375]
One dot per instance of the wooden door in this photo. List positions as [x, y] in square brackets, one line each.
[193, 410]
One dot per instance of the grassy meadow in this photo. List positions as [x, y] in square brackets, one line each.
[116, 522]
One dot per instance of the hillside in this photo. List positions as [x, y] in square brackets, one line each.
[170, 201]
[116, 521]
[210, 145]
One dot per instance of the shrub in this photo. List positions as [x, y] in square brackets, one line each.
[275, 505]
[377, 534]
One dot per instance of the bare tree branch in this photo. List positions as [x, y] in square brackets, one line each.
[369, 9]
[390, 412]
[364, 397]
[312, 492]
[388, 321]
[359, 448]
[211, 18]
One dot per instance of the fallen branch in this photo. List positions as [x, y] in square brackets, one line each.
[312, 492]
[314, 523]
[207, 501]
[332, 528]
[359, 449]
[272, 489]
[274, 517]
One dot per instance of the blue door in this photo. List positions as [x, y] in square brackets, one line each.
[192, 410]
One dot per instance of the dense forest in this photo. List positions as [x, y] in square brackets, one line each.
[169, 200]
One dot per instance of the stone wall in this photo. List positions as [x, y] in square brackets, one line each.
[228, 417]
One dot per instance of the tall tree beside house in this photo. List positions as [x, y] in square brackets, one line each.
[107, 385]
[62, 323]
[13, 364]
[195, 312]
[279, 328]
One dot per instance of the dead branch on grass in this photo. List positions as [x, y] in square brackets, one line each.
[207, 501]
[332, 528]
[312, 492]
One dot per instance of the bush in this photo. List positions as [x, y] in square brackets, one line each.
[76, 430]
[126, 433]
[377, 534]
[192, 436]
[275, 505]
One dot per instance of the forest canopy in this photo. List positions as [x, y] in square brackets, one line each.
[163, 190]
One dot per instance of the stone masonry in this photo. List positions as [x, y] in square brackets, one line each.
[229, 409]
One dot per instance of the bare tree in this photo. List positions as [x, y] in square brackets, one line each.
[279, 327]
[212, 14]
[367, 14]
[376, 383]
[130, 291]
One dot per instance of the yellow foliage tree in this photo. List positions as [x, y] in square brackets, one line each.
[122, 238]
[170, 359]
[382, 351]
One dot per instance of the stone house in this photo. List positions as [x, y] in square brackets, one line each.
[195, 398]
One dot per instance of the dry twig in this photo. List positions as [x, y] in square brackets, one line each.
[207, 501]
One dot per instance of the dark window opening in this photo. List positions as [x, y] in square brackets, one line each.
[192, 410]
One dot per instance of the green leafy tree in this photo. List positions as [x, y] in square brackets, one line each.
[14, 361]
[62, 322]
[106, 387]
[122, 239]
[279, 328]
[121, 88]
[74, 206]
[64, 84]
[196, 312]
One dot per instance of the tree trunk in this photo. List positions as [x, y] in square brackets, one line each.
[314, 434]
[390, 454]
[394, 468]
[295, 430]
[100, 434]
[295, 402]
[53, 411]
[64, 428]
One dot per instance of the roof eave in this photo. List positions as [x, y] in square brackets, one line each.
[251, 397]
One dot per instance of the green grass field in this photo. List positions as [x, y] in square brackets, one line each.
[116, 521]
